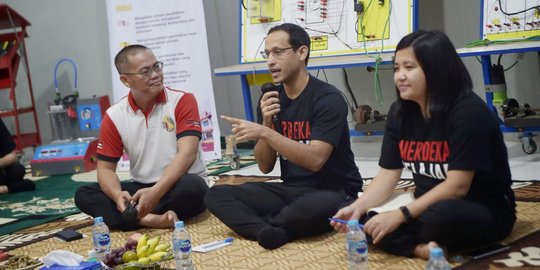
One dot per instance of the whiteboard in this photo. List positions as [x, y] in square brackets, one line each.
[510, 19]
[334, 26]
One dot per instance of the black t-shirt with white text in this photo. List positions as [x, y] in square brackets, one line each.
[319, 113]
[469, 138]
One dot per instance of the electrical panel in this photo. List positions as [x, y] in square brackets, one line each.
[90, 113]
[261, 10]
[64, 158]
[374, 23]
[510, 19]
[336, 27]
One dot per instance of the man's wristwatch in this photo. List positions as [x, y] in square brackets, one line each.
[406, 213]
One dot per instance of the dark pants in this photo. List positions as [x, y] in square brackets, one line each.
[185, 198]
[12, 177]
[249, 207]
[455, 224]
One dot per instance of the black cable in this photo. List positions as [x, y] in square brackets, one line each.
[349, 87]
[499, 59]
[243, 5]
[348, 103]
[347, 100]
[511, 66]
[478, 59]
[319, 31]
[325, 78]
[518, 12]
[326, 32]
[356, 25]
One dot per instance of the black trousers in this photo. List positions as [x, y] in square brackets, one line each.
[185, 199]
[300, 211]
[12, 176]
[455, 224]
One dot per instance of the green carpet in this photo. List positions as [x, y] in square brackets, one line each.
[52, 199]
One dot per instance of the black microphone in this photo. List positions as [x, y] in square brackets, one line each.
[267, 87]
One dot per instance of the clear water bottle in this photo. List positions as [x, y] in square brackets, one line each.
[357, 246]
[101, 238]
[437, 260]
[181, 242]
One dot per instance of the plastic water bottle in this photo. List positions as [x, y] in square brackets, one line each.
[437, 260]
[92, 256]
[181, 242]
[101, 238]
[357, 246]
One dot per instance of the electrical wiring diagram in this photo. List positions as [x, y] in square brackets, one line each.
[510, 19]
[336, 27]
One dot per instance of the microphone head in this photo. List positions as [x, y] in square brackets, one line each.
[267, 87]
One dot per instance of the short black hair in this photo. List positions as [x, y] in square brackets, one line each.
[447, 78]
[121, 58]
[297, 36]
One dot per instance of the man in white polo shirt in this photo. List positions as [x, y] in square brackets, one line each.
[159, 129]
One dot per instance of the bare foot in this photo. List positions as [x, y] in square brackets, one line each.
[162, 221]
[4, 190]
[422, 250]
[135, 236]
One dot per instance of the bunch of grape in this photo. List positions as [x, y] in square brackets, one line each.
[130, 244]
[114, 258]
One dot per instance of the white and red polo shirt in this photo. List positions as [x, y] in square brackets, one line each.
[150, 139]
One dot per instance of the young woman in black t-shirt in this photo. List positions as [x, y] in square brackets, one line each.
[447, 136]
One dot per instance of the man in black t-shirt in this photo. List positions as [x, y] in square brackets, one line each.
[317, 164]
[11, 171]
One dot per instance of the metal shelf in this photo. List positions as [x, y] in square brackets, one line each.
[366, 60]
[9, 66]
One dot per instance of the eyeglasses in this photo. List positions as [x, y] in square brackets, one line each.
[147, 71]
[277, 53]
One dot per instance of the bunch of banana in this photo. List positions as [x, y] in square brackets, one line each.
[150, 250]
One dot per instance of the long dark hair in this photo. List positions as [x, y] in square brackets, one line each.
[447, 78]
[297, 36]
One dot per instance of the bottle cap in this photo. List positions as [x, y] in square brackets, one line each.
[179, 224]
[92, 256]
[353, 222]
[435, 252]
[98, 220]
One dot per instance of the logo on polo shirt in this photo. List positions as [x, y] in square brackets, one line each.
[194, 123]
[167, 123]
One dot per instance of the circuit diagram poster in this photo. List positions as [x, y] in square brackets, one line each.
[510, 19]
[176, 32]
[336, 27]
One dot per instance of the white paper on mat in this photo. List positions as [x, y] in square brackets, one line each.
[6, 220]
[211, 246]
[396, 200]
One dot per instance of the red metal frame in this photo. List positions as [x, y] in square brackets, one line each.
[9, 62]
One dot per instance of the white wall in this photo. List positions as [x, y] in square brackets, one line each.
[78, 30]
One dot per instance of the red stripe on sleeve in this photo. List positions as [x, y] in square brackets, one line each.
[110, 142]
[187, 114]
